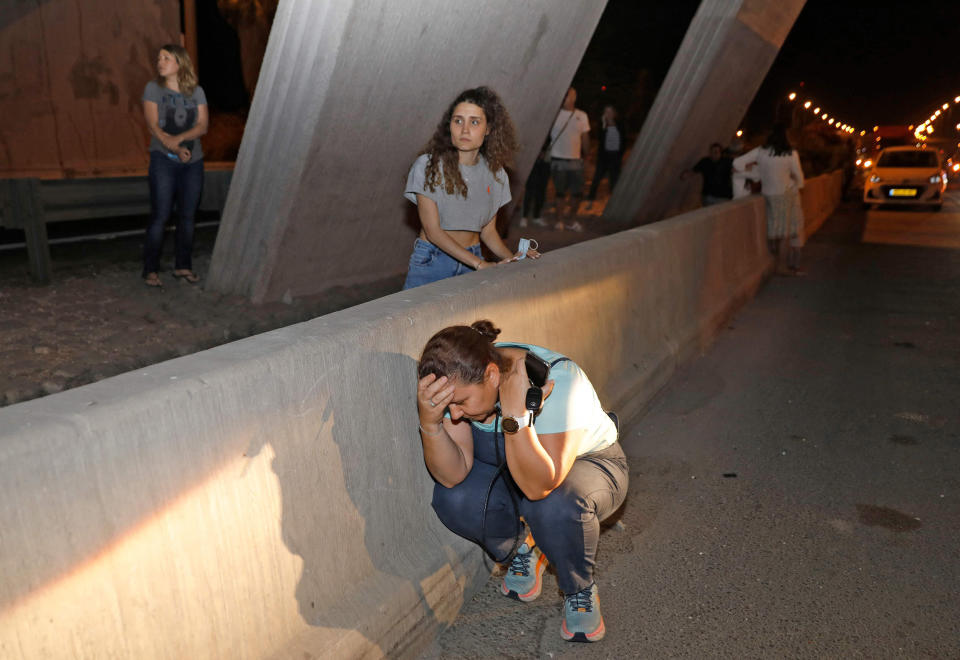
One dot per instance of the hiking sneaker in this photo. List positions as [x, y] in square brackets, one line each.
[575, 226]
[523, 580]
[581, 617]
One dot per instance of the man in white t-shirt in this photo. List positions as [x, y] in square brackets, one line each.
[569, 144]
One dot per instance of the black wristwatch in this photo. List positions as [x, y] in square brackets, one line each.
[514, 424]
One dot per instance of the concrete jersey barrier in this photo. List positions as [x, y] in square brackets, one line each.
[268, 498]
[820, 197]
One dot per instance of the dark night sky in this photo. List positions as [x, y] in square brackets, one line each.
[869, 62]
[863, 61]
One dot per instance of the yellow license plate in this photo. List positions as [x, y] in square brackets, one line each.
[903, 192]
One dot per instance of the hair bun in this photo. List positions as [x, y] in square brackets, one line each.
[486, 328]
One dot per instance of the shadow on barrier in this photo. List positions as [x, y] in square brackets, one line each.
[354, 537]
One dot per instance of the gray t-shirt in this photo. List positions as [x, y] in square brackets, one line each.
[176, 113]
[486, 193]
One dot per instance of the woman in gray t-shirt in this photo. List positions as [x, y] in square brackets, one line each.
[175, 109]
[458, 185]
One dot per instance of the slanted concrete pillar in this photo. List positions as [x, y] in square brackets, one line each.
[721, 63]
[348, 93]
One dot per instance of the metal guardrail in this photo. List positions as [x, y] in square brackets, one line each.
[29, 204]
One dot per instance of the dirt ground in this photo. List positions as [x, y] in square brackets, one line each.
[97, 319]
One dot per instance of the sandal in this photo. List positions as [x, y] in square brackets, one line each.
[186, 275]
[152, 280]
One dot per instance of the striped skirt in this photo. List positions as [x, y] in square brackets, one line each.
[785, 217]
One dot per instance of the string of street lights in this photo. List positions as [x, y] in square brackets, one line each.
[824, 116]
[921, 131]
[924, 130]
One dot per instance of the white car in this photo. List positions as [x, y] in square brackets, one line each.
[905, 175]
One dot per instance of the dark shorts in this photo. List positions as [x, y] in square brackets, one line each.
[567, 176]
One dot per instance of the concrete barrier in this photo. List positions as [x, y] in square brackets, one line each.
[267, 498]
[820, 197]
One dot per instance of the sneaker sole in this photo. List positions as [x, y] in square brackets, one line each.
[595, 636]
[534, 593]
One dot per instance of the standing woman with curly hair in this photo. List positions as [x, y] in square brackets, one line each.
[175, 109]
[458, 184]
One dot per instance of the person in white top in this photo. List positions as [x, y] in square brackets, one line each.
[568, 144]
[741, 181]
[781, 179]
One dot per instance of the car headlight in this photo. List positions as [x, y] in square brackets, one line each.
[935, 178]
[874, 179]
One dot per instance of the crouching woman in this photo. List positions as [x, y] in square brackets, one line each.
[564, 471]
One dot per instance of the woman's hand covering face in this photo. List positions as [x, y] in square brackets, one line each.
[433, 396]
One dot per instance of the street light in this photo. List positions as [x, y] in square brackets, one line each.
[816, 110]
[740, 133]
[807, 105]
[792, 95]
[824, 117]
[945, 106]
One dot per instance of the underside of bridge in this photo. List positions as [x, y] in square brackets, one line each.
[350, 90]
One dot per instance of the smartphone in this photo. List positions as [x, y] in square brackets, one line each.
[537, 369]
[537, 373]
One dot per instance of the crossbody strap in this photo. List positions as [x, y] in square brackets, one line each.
[554, 140]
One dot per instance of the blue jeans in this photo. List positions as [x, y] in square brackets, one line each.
[565, 524]
[428, 263]
[172, 181]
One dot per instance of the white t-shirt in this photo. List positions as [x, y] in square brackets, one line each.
[565, 135]
[573, 404]
[778, 174]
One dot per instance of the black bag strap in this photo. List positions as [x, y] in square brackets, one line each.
[554, 140]
[560, 359]
[503, 472]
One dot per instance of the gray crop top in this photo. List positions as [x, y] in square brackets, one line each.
[485, 195]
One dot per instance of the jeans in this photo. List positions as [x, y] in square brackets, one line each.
[608, 163]
[710, 200]
[536, 189]
[171, 181]
[565, 524]
[428, 263]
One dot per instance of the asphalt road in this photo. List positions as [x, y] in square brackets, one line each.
[795, 491]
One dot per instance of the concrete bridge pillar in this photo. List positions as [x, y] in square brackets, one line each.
[348, 92]
[721, 63]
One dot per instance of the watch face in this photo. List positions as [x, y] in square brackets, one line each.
[510, 425]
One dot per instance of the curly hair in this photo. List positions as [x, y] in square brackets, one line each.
[443, 166]
[186, 76]
[462, 353]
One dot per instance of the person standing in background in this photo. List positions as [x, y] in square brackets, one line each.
[781, 179]
[609, 152]
[535, 191]
[716, 170]
[459, 184]
[570, 142]
[175, 109]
